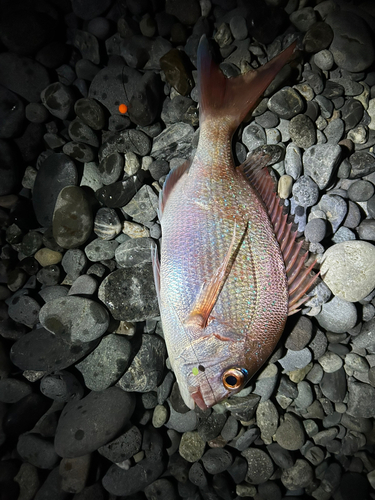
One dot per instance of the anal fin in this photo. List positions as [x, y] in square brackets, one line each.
[300, 278]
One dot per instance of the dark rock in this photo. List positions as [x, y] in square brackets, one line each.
[24, 310]
[12, 114]
[315, 230]
[111, 167]
[302, 131]
[90, 112]
[366, 230]
[143, 206]
[42, 350]
[318, 37]
[61, 386]
[89, 10]
[10, 170]
[123, 447]
[146, 370]
[260, 466]
[177, 70]
[100, 249]
[286, 103]
[56, 172]
[74, 319]
[217, 460]
[93, 421]
[145, 103]
[23, 75]
[37, 451]
[361, 401]
[290, 433]
[352, 113]
[13, 390]
[134, 252]
[58, 99]
[130, 293]
[300, 335]
[23, 415]
[107, 224]
[333, 385]
[51, 488]
[72, 217]
[305, 191]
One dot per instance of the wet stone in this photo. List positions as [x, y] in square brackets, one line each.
[305, 191]
[75, 319]
[61, 386]
[143, 206]
[266, 382]
[349, 277]
[42, 350]
[80, 132]
[119, 193]
[353, 217]
[79, 151]
[315, 230]
[337, 315]
[298, 476]
[107, 224]
[58, 99]
[286, 103]
[111, 167]
[192, 448]
[260, 466]
[362, 163]
[197, 475]
[361, 402]
[57, 171]
[123, 447]
[24, 310]
[290, 433]
[100, 249]
[217, 460]
[333, 385]
[37, 451]
[93, 421]
[302, 131]
[72, 218]
[90, 112]
[177, 73]
[320, 161]
[182, 422]
[173, 142]
[133, 252]
[49, 275]
[146, 370]
[130, 294]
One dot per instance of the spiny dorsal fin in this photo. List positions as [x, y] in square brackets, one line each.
[300, 277]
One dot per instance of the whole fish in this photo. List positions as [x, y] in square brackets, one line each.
[230, 269]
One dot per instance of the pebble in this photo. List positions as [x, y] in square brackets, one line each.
[24, 310]
[333, 385]
[290, 433]
[209, 428]
[347, 26]
[72, 218]
[302, 131]
[47, 257]
[90, 112]
[78, 431]
[266, 382]
[280, 456]
[284, 187]
[293, 161]
[100, 249]
[366, 230]
[75, 319]
[362, 163]
[260, 466]
[44, 351]
[217, 460]
[106, 363]
[298, 476]
[191, 449]
[315, 230]
[267, 420]
[145, 372]
[134, 252]
[124, 446]
[143, 206]
[13, 390]
[335, 208]
[295, 359]
[253, 136]
[111, 167]
[324, 59]
[37, 451]
[61, 386]
[305, 191]
[361, 401]
[320, 161]
[127, 294]
[286, 103]
[349, 277]
[330, 362]
[337, 315]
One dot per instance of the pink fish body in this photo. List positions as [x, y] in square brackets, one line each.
[222, 282]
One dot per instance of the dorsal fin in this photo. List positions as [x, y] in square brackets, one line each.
[170, 181]
[300, 277]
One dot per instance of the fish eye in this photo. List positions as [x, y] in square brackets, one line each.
[233, 378]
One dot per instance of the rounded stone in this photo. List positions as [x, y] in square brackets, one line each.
[305, 191]
[300, 475]
[93, 421]
[286, 103]
[349, 269]
[302, 131]
[260, 466]
[72, 218]
[191, 446]
[76, 319]
[360, 191]
[337, 315]
[315, 230]
[47, 257]
[290, 434]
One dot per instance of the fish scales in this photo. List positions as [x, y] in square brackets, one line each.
[211, 214]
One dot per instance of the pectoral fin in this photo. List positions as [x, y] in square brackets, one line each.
[209, 292]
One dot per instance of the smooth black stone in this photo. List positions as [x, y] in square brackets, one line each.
[23, 415]
[58, 99]
[126, 140]
[51, 488]
[145, 103]
[80, 132]
[30, 142]
[56, 172]
[13, 390]
[61, 386]
[353, 485]
[42, 350]
[91, 113]
[333, 385]
[10, 169]
[111, 168]
[362, 163]
[123, 447]
[37, 451]
[119, 193]
[352, 113]
[79, 151]
[210, 427]
[12, 114]
[23, 75]
[93, 421]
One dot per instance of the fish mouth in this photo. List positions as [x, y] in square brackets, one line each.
[198, 398]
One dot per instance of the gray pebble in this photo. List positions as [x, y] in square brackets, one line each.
[300, 335]
[191, 449]
[286, 103]
[362, 163]
[337, 315]
[164, 145]
[217, 460]
[13, 390]
[107, 224]
[197, 475]
[315, 230]
[280, 456]
[300, 475]
[302, 131]
[73, 262]
[293, 161]
[335, 209]
[253, 136]
[290, 434]
[361, 402]
[145, 372]
[353, 217]
[107, 363]
[330, 362]
[320, 161]
[134, 251]
[183, 422]
[360, 191]
[24, 309]
[260, 466]
[37, 451]
[267, 420]
[209, 428]
[61, 386]
[305, 191]
[343, 234]
[315, 375]
[230, 428]
[334, 131]
[75, 319]
[305, 396]
[333, 385]
[100, 249]
[324, 59]
[295, 359]
[123, 447]
[143, 206]
[366, 230]
[93, 421]
[84, 285]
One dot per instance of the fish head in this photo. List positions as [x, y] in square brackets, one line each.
[210, 369]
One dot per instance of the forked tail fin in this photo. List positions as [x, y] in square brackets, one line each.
[233, 98]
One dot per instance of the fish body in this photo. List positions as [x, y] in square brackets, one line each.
[222, 282]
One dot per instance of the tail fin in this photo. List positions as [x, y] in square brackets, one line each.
[233, 98]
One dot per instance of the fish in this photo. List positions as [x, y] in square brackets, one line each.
[231, 269]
